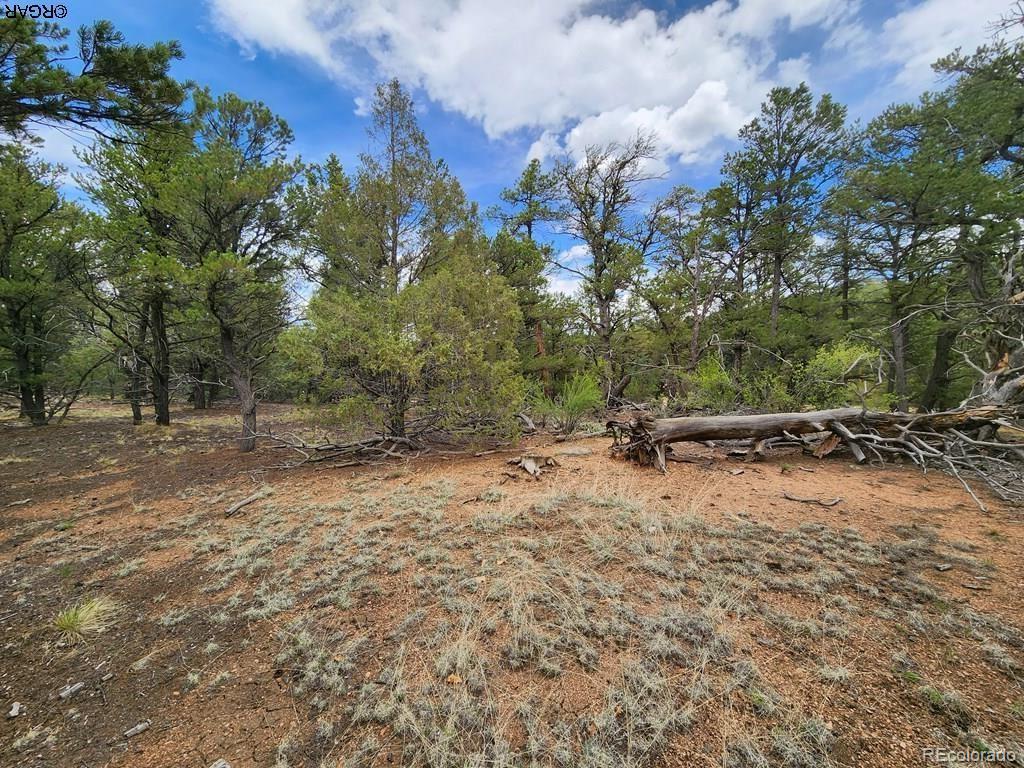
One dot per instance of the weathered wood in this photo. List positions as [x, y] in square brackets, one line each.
[928, 440]
[262, 493]
[765, 425]
[758, 426]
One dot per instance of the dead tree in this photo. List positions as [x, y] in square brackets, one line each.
[946, 440]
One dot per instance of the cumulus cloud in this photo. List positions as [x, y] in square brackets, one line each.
[911, 40]
[572, 73]
[918, 36]
[284, 26]
[549, 65]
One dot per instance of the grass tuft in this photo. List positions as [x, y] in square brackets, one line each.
[89, 617]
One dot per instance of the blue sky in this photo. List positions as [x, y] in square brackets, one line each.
[497, 82]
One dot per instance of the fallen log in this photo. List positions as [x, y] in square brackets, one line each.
[926, 439]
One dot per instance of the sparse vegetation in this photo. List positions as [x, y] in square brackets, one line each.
[374, 573]
[85, 619]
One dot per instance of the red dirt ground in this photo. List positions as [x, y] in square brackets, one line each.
[81, 501]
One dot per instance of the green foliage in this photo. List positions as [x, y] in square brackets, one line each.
[829, 266]
[533, 200]
[831, 377]
[117, 82]
[767, 391]
[709, 386]
[580, 395]
[441, 350]
[39, 328]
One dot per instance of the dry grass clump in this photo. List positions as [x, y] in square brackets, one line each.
[87, 618]
[583, 624]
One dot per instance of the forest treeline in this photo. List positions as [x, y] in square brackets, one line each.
[834, 263]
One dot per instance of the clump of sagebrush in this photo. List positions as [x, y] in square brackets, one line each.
[804, 743]
[130, 566]
[89, 617]
[999, 656]
[639, 717]
[174, 617]
[830, 674]
[269, 600]
[318, 662]
[745, 753]
[460, 661]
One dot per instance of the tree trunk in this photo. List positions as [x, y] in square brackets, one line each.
[542, 353]
[134, 396]
[776, 292]
[247, 403]
[845, 266]
[899, 363]
[39, 416]
[398, 404]
[161, 368]
[28, 406]
[605, 351]
[241, 380]
[198, 387]
[938, 380]
[618, 389]
[136, 380]
[695, 341]
[648, 436]
[37, 398]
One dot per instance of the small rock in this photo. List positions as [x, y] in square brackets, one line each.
[653, 529]
[942, 567]
[135, 730]
[221, 763]
[70, 690]
[16, 708]
[106, 677]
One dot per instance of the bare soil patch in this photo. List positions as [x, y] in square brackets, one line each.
[439, 612]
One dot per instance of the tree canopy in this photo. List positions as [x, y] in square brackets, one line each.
[831, 263]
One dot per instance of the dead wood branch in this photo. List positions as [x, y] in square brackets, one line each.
[929, 440]
[371, 450]
[805, 500]
[262, 493]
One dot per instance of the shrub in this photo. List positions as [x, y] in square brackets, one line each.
[442, 349]
[580, 395]
[767, 391]
[829, 379]
[709, 386]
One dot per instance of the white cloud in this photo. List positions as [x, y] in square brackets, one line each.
[547, 145]
[683, 133]
[573, 74]
[915, 38]
[548, 65]
[760, 17]
[792, 72]
[281, 26]
[912, 40]
[563, 281]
